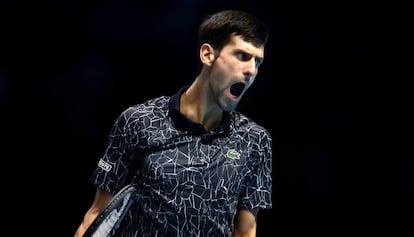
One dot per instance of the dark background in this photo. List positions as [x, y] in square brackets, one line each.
[332, 91]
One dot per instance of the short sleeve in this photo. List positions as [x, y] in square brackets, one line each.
[258, 191]
[113, 168]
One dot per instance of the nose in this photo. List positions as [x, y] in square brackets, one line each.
[250, 67]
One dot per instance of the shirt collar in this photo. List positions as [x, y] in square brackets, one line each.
[182, 123]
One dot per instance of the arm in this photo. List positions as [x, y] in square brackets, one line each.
[102, 198]
[245, 224]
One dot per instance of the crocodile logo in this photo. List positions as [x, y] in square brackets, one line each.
[233, 154]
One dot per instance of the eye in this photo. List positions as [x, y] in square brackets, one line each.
[244, 56]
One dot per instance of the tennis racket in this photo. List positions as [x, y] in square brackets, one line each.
[106, 223]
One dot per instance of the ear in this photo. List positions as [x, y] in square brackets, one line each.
[207, 55]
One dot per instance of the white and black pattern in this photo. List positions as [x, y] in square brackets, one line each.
[190, 182]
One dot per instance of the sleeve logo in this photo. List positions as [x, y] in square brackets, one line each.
[104, 165]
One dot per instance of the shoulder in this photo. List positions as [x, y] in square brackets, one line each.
[243, 123]
[149, 110]
[246, 126]
[153, 107]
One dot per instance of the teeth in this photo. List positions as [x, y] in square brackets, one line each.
[237, 89]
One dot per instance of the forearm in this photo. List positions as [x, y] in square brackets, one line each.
[86, 222]
[245, 232]
[81, 230]
[102, 198]
[245, 224]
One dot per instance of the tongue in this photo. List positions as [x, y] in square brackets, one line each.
[237, 89]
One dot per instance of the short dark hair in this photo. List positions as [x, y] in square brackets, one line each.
[216, 29]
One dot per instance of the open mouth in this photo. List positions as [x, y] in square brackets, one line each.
[237, 89]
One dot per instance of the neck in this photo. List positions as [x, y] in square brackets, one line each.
[198, 106]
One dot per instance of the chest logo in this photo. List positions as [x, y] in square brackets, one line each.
[233, 154]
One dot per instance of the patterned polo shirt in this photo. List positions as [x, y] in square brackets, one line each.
[190, 182]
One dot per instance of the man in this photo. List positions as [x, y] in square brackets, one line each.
[200, 167]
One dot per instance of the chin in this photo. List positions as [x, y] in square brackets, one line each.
[229, 107]
[228, 104]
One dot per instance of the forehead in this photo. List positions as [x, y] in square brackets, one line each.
[237, 43]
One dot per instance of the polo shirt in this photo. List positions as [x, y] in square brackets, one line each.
[190, 182]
